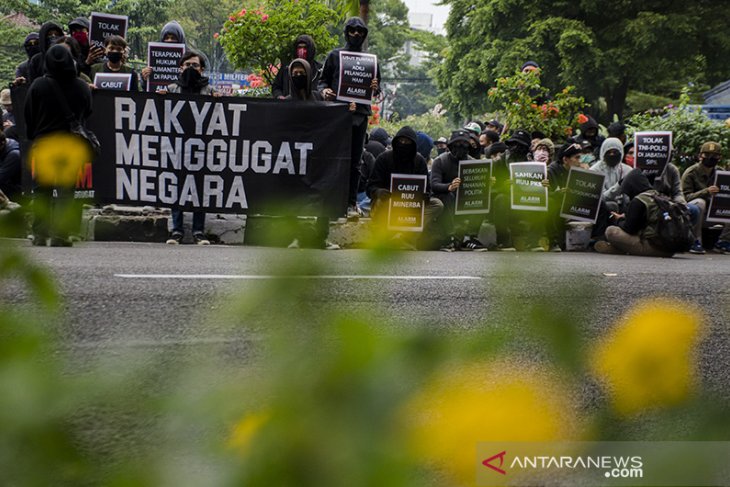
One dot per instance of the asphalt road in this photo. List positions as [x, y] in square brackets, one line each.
[186, 302]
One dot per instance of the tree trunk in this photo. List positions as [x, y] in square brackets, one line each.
[365, 10]
[616, 100]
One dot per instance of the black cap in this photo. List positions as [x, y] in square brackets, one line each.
[521, 137]
[616, 129]
[460, 136]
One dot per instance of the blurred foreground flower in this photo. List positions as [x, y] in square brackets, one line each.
[58, 159]
[647, 360]
[498, 401]
[245, 430]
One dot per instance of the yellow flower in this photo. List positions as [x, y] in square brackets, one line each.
[647, 361]
[57, 159]
[245, 430]
[498, 401]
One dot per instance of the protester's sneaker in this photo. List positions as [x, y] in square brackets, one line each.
[697, 248]
[473, 245]
[175, 239]
[200, 239]
[555, 248]
[505, 248]
[537, 248]
[722, 247]
[60, 242]
[331, 246]
[353, 211]
[39, 241]
[294, 244]
[603, 247]
[452, 246]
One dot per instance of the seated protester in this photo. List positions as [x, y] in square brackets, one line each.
[191, 81]
[544, 151]
[536, 136]
[629, 154]
[366, 168]
[304, 48]
[461, 230]
[589, 133]
[403, 158]
[612, 152]
[494, 126]
[632, 232]
[49, 33]
[617, 130]
[381, 136]
[568, 156]
[115, 48]
[587, 157]
[78, 28]
[698, 187]
[31, 46]
[10, 167]
[495, 151]
[474, 131]
[73, 47]
[424, 144]
[488, 138]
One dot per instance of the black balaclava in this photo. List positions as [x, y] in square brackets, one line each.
[635, 183]
[60, 64]
[311, 49]
[31, 50]
[355, 43]
[612, 158]
[404, 154]
[302, 82]
[191, 81]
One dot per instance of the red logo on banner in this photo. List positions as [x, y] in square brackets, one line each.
[487, 462]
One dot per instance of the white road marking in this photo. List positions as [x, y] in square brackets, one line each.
[260, 277]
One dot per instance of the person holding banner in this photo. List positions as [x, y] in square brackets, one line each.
[114, 49]
[403, 158]
[356, 32]
[192, 67]
[698, 188]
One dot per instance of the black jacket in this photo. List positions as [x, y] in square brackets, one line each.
[633, 185]
[281, 86]
[10, 169]
[331, 72]
[386, 165]
[42, 112]
[557, 174]
[36, 65]
[445, 168]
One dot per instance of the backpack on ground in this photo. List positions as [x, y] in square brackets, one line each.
[672, 225]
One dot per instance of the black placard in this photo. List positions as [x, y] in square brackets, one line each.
[106, 25]
[719, 210]
[652, 152]
[164, 59]
[527, 191]
[357, 71]
[474, 192]
[407, 202]
[583, 194]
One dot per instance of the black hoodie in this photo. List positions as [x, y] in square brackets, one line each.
[42, 112]
[596, 141]
[281, 85]
[295, 94]
[331, 71]
[387, 164]
[37, 63]
[633, 185]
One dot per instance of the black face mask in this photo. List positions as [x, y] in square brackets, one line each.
[355, 42]
[190, 78]
[710, 162]
[114, 57]
[404, 152]
[440, 150]
[460, 152]
[32, 50]
[299, 81]
[612, 159]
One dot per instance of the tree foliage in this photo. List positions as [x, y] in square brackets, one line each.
[11, 50]
[261, 38]
[603, 48]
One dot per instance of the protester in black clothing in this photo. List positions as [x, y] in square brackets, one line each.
[304, 48]
[403, 158]
[10, 167]
[589, 133]
[32, 47]
[78, 28]
[49, 33]
[355, 34]
[381, 136]
[45, 116]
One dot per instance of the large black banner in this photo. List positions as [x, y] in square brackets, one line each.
[226, 155]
